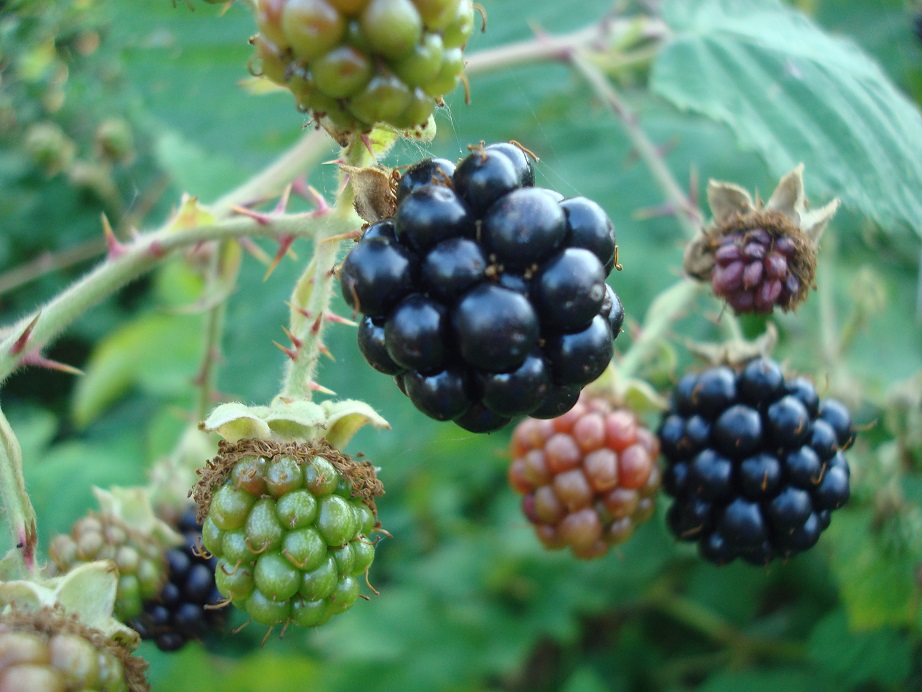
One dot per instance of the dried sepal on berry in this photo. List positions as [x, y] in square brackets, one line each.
[60, 634]
[759, 256]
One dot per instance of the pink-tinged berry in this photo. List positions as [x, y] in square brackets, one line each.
[588, 478]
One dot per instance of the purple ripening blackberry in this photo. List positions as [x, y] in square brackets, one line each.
[754, 461]
[484, 296]
[185, 609]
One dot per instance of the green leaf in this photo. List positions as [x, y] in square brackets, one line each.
[878, 587]
[156, 351]
[882, 655]
[795, 94]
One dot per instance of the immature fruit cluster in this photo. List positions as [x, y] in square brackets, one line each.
[187, 605]
[289, 524]
[484, 296]
[754, 462]
[46, 649]
[354, 63]
[139, 558]
[588, 477]
[752, 271]
[759, 256]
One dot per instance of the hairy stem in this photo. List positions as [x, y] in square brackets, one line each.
[211, 353]
[310, 298]
[25, 338]
[20, 515]
[687, 214]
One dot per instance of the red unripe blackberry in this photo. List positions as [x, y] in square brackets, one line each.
[588, 477]
[754, 462]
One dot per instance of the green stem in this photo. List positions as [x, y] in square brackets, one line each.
[544, 47]
[687, 214]
[25, 338]
[661, 317]
[310, 299]
[211, 353]
[20, 515]
[710, 624]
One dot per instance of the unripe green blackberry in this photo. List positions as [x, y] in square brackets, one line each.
[353, 63]
[49, 649]
[138, 556]
[290, 524]
[588, 477]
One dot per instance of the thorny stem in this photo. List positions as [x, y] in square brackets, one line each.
[304, 154]
[687, 214]
[20, 516]
[133, 260]
[311, 296]
[211, 354]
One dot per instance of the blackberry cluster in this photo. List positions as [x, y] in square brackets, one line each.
[484, 296]
[358, 62]
[589, 477]
[753, 271]
[754, 462]
[289, 525]
[185, 607]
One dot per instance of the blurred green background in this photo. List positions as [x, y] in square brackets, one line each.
[469, 600]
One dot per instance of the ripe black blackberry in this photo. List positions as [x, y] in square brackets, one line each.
[485, 297]
[754, 462]
[183, 608]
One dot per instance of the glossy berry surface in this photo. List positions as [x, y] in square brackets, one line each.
[485, 297]
[355, 64]
[187, 606]
[588, 477]
[751, 462]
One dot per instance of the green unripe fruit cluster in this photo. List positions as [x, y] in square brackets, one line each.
[47, 650]
[292, 540]
[355, 63]
[140, 559]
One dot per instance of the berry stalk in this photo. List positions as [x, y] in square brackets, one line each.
[310, 299]
[20, 516]
[22, 342]
[679, 204]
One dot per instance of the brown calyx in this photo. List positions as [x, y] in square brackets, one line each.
[361, 474]
[50, 621]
